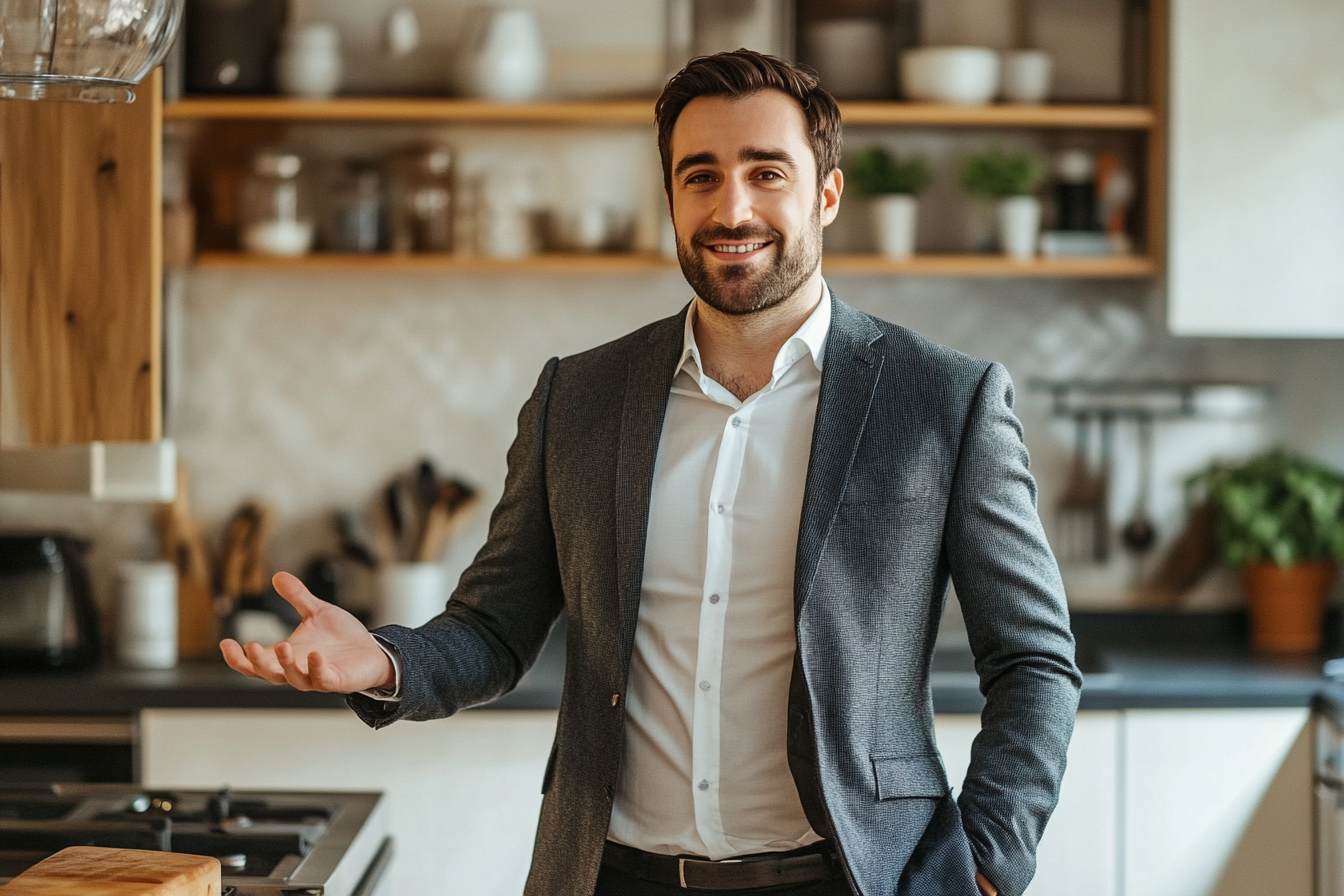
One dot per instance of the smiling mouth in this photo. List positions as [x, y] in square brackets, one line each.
[741, 249]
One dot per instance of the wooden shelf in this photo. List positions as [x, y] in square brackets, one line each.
[637, 263]
[373, 109]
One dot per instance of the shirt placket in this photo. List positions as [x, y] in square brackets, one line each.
[715, 597]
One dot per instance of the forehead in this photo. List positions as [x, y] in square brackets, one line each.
[722, 126]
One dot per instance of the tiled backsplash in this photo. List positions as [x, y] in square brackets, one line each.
[309, 390]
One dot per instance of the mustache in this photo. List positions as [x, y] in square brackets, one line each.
[754, 233]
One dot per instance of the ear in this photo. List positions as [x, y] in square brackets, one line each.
[831, 188]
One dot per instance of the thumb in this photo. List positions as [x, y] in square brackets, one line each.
[291, 589]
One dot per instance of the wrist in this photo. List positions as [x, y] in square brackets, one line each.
[987, 888]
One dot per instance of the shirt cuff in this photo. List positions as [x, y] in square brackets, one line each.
[394, 695]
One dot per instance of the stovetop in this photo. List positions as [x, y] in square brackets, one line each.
[317, 842]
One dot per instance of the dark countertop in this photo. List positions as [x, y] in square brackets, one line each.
[1131, 661]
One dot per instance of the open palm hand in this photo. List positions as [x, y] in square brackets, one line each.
[329, 651]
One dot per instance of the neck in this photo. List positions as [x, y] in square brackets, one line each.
[738, 350]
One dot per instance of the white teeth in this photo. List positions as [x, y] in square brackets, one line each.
[749, 247]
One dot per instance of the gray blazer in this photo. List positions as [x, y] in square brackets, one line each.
[918, 474]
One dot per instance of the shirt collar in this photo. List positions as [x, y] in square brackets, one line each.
[808, 341]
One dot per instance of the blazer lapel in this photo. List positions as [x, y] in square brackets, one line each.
[648, 383]
[851, 370]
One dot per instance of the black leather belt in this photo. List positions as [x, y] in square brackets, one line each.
[811, 864]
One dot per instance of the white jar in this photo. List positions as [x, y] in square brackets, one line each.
[1026, 76]
[309, 64]
[503, 57]
[146, 615]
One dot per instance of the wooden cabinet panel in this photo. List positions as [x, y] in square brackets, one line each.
[80, 270]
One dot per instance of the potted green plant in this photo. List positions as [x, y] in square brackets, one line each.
[892, 186]
[1280, 521]
[1010, 180]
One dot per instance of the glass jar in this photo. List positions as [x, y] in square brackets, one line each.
[352, 220]
[275, 217]
[91, 50]
[422, 218]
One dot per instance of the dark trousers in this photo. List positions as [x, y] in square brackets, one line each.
[614, 882]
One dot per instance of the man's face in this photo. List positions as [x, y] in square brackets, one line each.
[745, 204]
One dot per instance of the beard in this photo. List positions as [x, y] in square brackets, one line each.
[748, 288]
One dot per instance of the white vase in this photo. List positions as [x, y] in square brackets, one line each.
[894, 220]
[309, 64]
[503, 57]
[1019, 226]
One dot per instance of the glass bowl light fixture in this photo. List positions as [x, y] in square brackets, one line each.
[91, 50]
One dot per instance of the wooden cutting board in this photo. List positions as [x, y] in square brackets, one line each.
[98, 871]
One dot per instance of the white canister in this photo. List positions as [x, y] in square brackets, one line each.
[409, 594]
[894, 220]
[309, 64]
[146, 629]
[503, 57]
[1025, 76]
[1019, 226]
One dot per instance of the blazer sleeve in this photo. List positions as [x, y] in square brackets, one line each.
[505, 604]
[1018, 623]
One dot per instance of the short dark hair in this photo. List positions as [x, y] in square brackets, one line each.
[740, 74]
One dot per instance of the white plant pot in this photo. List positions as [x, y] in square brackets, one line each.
[894, 219]
[1019, 226]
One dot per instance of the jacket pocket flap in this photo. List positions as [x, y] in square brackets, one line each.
[920, 775]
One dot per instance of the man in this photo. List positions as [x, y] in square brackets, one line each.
[750, 513]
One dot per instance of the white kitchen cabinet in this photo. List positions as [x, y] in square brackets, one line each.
[1216, 803]
[1256, 204]
[1079, 852]
[464, 793]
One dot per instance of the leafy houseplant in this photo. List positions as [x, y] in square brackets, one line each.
[876, 172]
[1009, 179]
[1280, 521]
[892, 184]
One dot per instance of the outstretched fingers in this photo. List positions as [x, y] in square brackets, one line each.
[321, 673]
[291, 589]
[294, 667]
[264, 662]
[236, 658]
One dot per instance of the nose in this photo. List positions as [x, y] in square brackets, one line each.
[734, 206]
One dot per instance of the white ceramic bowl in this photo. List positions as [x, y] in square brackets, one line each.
[962, 76]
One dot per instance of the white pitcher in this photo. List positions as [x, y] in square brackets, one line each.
[502, 57]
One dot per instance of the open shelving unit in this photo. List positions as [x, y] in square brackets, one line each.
[640, 262]
[400, 109]
[242, 121]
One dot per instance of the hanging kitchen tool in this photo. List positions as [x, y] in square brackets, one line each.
[1139, 533]
[1081, 509]
[88, 50]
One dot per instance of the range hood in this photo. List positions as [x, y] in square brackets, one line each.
[89, 50]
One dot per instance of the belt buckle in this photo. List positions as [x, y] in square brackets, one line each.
[681, 872]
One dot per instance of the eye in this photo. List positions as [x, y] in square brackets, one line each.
[700, 177]
[770, 175]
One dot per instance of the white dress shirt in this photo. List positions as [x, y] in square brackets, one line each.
[705, 768]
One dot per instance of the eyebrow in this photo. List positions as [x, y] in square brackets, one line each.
[748, 154]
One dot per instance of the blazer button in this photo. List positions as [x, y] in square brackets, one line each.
[615, 699]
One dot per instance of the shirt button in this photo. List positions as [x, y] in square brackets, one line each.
[713, 598]
[704, 685]
[737, 421]
[703, 785]
[718, 508]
